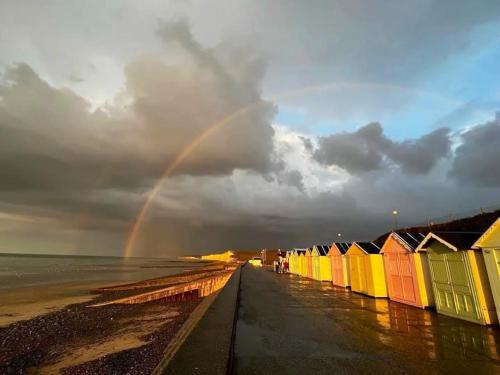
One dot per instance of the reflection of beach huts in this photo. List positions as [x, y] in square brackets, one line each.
[407, 272]
[489, 243]
[367, 269]
[309, 263]
[458, 274]
[339, 263]
[321, 263]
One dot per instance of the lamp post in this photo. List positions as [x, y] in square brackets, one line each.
[339, 235]
[395, 215]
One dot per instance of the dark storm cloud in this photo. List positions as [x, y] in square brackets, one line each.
[355, 152]
[477, 159]
[420, 155]
[50, 139]
[368, 148]
[89, 168]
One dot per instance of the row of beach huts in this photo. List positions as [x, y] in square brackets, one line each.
[457, 272]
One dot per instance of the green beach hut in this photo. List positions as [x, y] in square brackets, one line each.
[458, 276]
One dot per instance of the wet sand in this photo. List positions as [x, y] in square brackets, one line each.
[77, 339]
[28, 302]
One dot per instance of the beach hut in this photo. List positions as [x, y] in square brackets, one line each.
[321, 263]
[339, 263]
[291, 261]
[458, 275]
[302, 262]
[489, 243]
[366, 268]
[407, 272]
[309, 263]
[295, 265]
[288, 256]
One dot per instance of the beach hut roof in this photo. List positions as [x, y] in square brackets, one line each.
[368, 247]
[482, 241]
[454, 240]
[322, 249]
[342, 246]
[409, 240]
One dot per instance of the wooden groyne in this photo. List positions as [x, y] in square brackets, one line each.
[200, 287]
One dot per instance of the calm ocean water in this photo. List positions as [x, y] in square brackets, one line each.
[21, 270]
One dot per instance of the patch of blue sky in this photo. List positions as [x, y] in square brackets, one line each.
[463, 90]
[468, 83]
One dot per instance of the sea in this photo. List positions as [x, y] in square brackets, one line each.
[31, 285]
[24, 270]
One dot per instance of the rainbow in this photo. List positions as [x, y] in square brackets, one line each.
[136, 226]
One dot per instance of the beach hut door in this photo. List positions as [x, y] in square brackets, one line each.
[453, 285]
[442, 283]
[401, 276]
[337, 270]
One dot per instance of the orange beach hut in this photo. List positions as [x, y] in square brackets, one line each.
[407, 272]
[339, 263]
[367, 269]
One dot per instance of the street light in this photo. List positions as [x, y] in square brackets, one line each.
[339, 235]
[395, 214]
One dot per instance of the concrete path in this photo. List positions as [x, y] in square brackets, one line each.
[207, 349]
[288, 325]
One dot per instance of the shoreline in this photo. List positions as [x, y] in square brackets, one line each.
[26, 301]
[109, 339]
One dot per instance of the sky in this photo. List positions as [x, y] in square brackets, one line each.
[162, 128]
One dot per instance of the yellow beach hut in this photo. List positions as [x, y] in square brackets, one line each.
[288, 257]
[309, 263]
[301, 255]
[291, 261]
[339, 263]
[489, 243]
[322, 270]
[367, 269]
[459, 278]
[295, 265]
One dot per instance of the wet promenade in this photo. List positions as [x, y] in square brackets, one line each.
[288, 325]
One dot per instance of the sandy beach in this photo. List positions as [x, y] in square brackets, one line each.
[59, 333]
